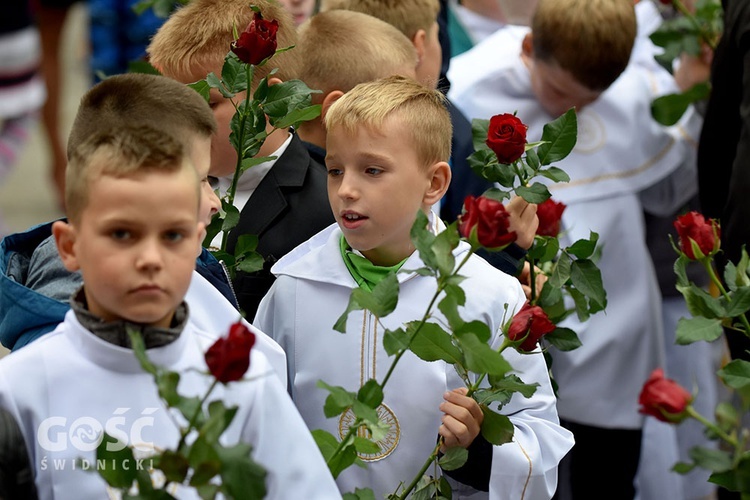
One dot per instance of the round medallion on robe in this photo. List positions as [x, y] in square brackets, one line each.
[386, 445]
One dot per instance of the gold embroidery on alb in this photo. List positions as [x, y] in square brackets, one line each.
[385, 414]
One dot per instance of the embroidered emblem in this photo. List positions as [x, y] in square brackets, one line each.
[386, 445]
[591, 132]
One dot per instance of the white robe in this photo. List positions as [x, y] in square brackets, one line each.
[623, 162]
[312, 290]
[69, 384]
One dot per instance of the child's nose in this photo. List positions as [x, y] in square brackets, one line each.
[150, 256]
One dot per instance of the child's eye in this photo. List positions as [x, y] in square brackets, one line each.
[120, 234]
[174, 236]
[213, 182]
[373, 170]
[333, 172]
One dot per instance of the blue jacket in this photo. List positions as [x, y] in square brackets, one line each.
[27, 314]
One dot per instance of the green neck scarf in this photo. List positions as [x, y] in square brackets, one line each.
[364, 272]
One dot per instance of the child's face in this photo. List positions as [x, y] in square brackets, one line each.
[200, 155]
[375, 187]
[428, 68]
[301, 10]
[556, 89]
[136, 243]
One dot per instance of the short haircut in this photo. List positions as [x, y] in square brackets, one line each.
[591, 39]
[135, 98]
[422, 111]
[198, 36]
[340, 49]
[409, 16]
[122, 151]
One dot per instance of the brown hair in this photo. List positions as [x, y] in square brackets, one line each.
[151, 100]
[121, 151]
[591, 39]
[420, 109]
[340, 49]
[197, 36]
[409, 16]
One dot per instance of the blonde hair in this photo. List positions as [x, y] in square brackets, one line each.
[591, 39]
[409, 16]
[136, 98]
[420, 109]
[122, 151]
[340, 49]
[197, 37]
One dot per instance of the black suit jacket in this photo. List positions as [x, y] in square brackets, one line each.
[288, 207]
[724, 148]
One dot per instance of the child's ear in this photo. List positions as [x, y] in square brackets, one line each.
[328, 100]
[65, 239]
[527, 46]
[440, 179]
[419, 41]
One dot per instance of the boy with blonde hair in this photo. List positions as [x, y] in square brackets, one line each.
[137, 260]
[623, 162]
[35, 285]
[387, 151]
[340, 49]
[282, 201]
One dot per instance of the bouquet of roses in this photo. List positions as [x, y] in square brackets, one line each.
[664, 399]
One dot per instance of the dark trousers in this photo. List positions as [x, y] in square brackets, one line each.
[602, 464]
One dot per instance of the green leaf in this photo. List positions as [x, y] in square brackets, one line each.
[479, 130]
[202, 88]
[246, 243]
[233, 74]
[445, 242]
[367, 414]
[740, 302]
[296, 117]
[583, 249]
[382, 300]
[551, 300]
[691, 330]
[365, 446]
[232, 217]
[496, 428]
[448, 305]
[727, 416]
[326, 442]
[736, 374]
[587, 278]
[219, 418]
[532, 160]
[360, 494]
[536, 193]
[166, 382]
[730, 276]
[555, 174]
[477, 328]
[507, 385]
[424, 240]
[454, 458]
[561, 272]
[563, 339]
[711, 459]
[190, 407]
[212, 230]
[255, 160]
[432, 343]
[371, 393]
[483, 162]
[174, 466]
[544, 249]
[204, 460]
[142, 66]
[680, 270]
[285, 97]
[337, 401]
[682, 467]
[139, 349]
[701, 303]
[395, 341]
[581, 304]
[560, 137]
[113, 451]
[241, 476]
[668, 109]
[481, 358]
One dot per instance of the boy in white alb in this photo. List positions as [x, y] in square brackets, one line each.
[132, 196]
[387, 148]
[624, 162]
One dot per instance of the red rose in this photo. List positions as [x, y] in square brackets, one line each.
[549, 213]
[229, 358]
[258, 41]
[485, 221]
[530, 322]
[506, 137]
[706, 234]
[664, 398]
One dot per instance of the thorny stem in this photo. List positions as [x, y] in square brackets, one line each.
[198, 410]
[421, 472]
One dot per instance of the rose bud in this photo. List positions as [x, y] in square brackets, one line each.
[229, 358]
[549, 213]
[506, 137]
[257, 42]
[532, 323]
[664, 398]
[698, 237]
[485, 222]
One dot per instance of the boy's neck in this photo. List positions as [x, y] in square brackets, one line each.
[116, 332]
[274, 142]
[313, 132]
